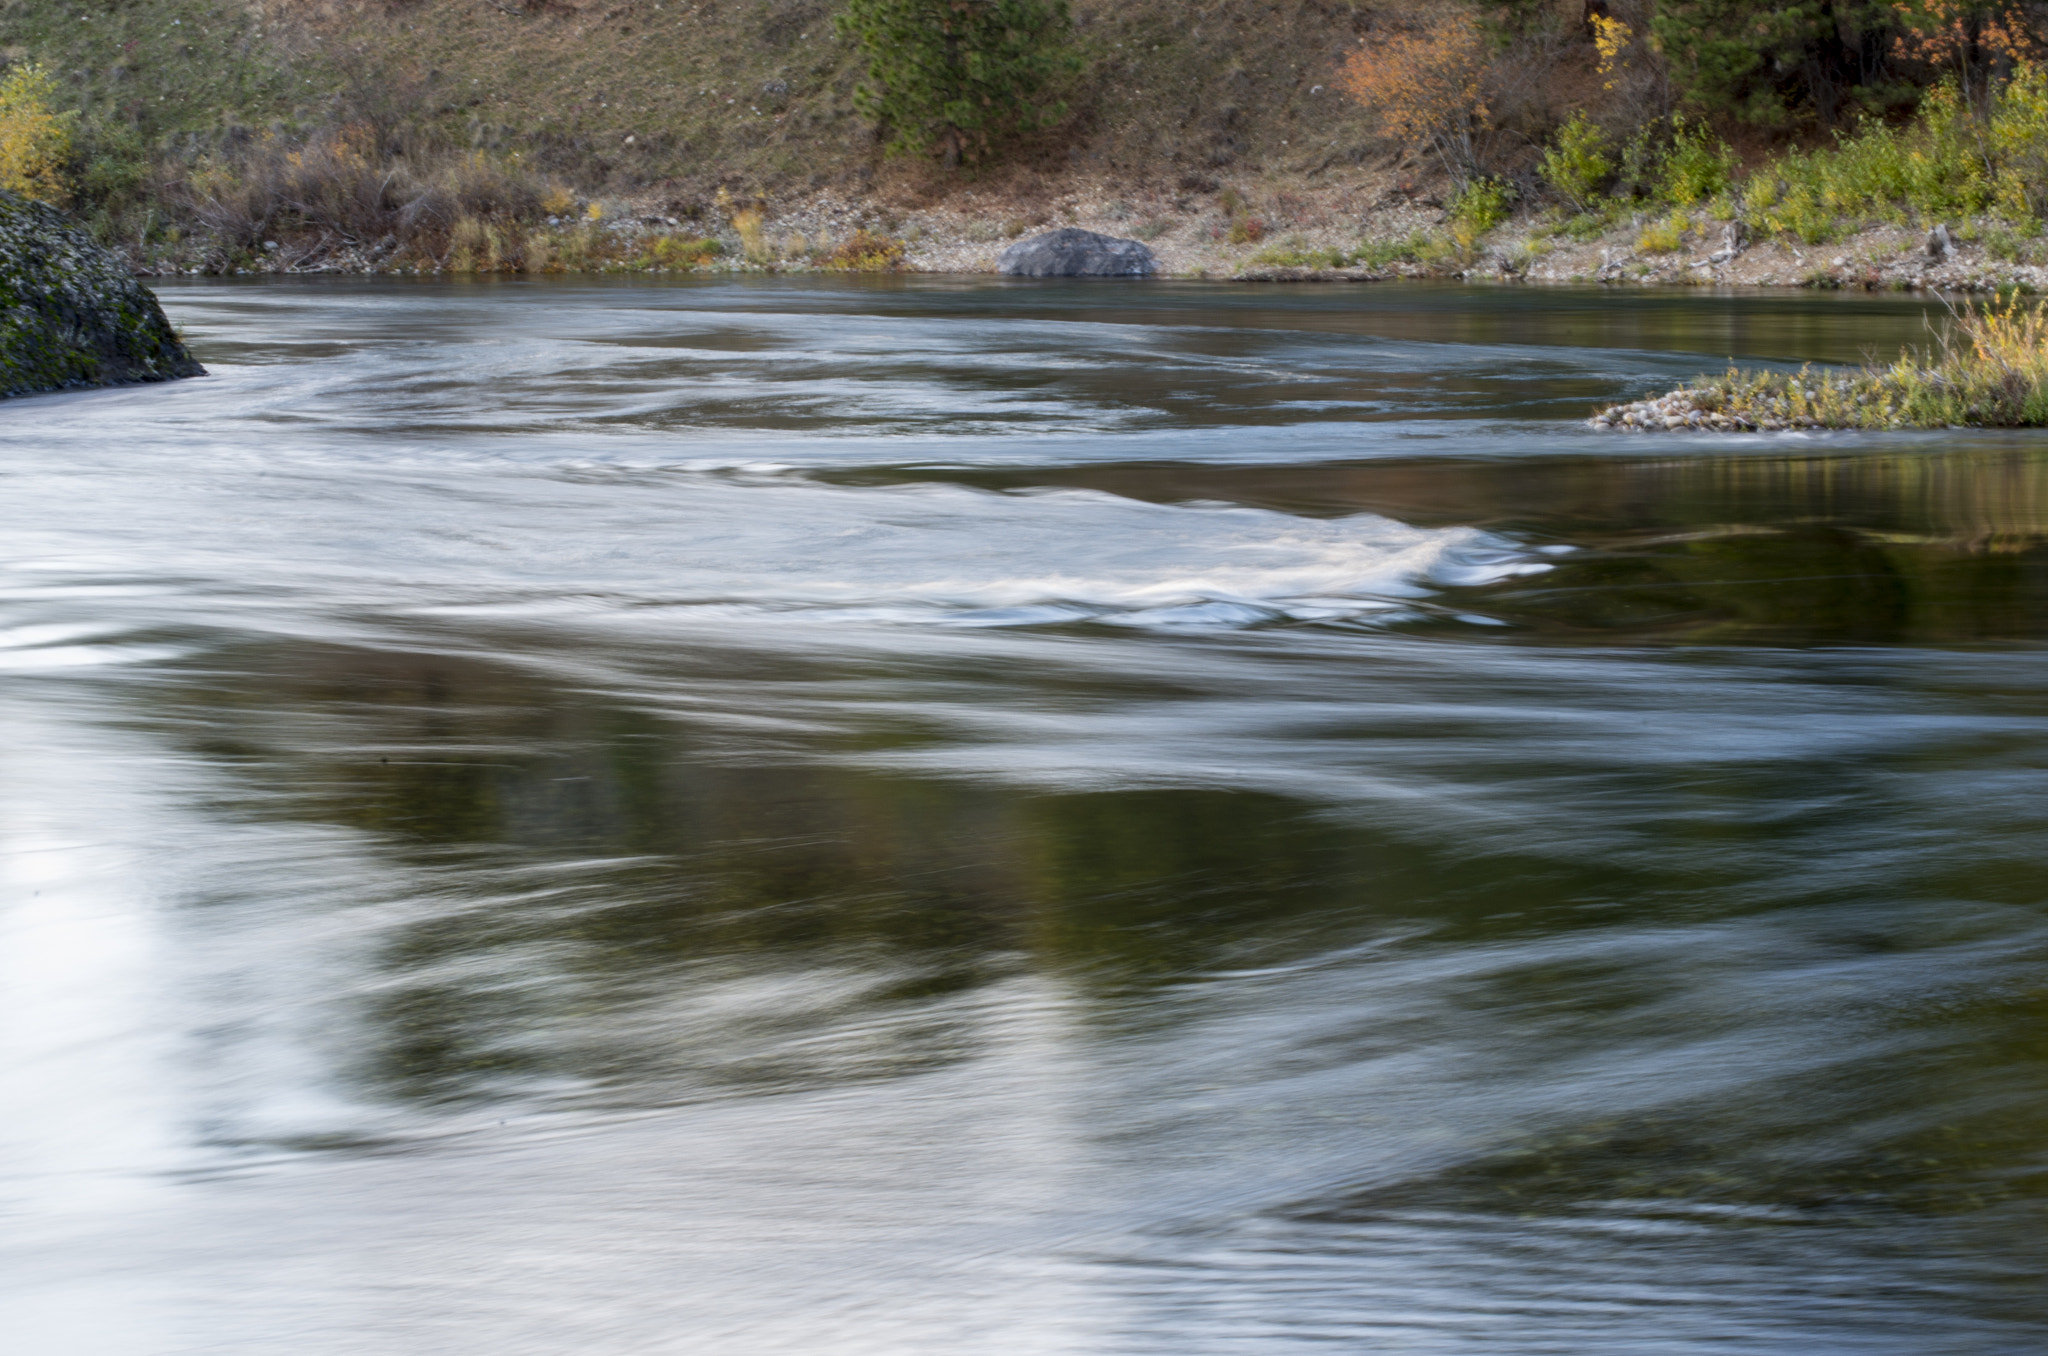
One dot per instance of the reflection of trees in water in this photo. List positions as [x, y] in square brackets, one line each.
[607, 904]
[607, 895]
[1938, 548]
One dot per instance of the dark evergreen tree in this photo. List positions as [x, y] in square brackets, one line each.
[956, 77]
[1769, 60]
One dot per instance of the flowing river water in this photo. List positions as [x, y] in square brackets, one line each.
[943, 816]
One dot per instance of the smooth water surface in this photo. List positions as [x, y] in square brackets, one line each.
[947, 816]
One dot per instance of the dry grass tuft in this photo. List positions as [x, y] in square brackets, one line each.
[866, 253]
[341, 191]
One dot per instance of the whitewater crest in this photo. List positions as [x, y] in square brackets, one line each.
[803, 552]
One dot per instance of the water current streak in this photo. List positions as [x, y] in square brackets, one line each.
[937, 817]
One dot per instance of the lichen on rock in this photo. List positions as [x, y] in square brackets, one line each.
[71, 312]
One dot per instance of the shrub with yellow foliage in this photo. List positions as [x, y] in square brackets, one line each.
[35, 140]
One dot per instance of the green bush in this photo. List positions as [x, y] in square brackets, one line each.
[954, 77]
[1587, 225]
[1697, 165]
[1295, 252]
[1797, 203]
[1578, 163]
[2019, 247]
[1666, 236]
[1479, 207]
[2018, 137]
[1380, 253]
[1931, 171]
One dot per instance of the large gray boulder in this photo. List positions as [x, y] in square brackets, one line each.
[71, 312]
[1071, 252]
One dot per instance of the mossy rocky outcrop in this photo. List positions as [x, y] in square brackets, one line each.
[71, 312]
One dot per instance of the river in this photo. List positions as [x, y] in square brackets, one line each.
[944, 815]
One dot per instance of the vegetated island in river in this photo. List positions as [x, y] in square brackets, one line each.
[1987, 368]
[71, 312]
[1625, 141]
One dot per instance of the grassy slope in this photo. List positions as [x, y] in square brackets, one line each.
[754, 94]
[159, 73]
[760, 91]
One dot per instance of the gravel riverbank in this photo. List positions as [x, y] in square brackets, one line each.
[1362, 228]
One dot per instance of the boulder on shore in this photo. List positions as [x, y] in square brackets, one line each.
[71, 312]
[1071, 252]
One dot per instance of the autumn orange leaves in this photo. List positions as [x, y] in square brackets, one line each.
[1428, 88]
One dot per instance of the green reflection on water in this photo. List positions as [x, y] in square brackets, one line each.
[1931, 548]
[619, 898]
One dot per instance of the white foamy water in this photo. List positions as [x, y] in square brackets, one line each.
[333, 537]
